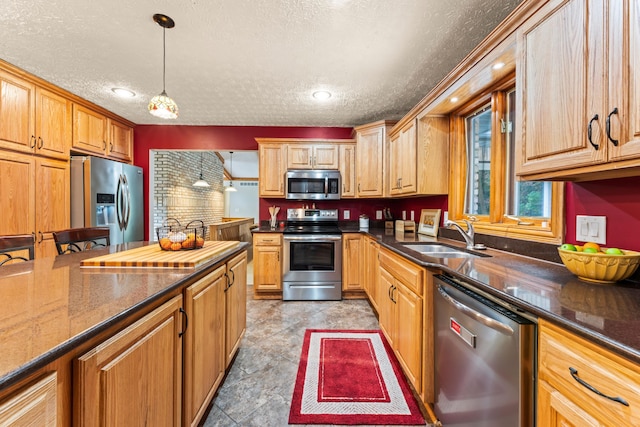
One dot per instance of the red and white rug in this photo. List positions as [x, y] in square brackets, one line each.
[351, 377]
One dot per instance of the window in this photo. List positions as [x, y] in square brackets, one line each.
[485, 186]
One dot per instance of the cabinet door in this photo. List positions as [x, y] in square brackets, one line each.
[395, 160]
[370, 162]
[89, 130]
[325, 156]
[624, 80]
[204, 341]
[267, 268]
[370, 273]
[352, 262]
[408, 159]
[347, 170]
[299, 156]
[120, 144]
[272, 170]
[16, 113]
[386, 284]
[408, 333]
[53, 124]
[52, 203]
[17, 193]
[34, 406]
[556, 410]
[135, 377]
[236, 304]
[561, 86]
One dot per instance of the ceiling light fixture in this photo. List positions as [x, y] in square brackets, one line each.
[454, 99]
[162, 105]
[201, 182]
[123, 93]
[498, 65]
[322, 95]
[231, 187]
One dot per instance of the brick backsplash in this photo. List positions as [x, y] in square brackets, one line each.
[174, 194]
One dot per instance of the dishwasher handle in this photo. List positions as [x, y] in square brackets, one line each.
[485, 320]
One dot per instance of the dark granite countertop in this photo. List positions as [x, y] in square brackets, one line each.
[51, 305]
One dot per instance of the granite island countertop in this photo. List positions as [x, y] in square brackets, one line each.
[607, 314]
[52, 305]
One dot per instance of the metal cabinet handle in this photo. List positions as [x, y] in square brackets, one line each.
[227, 285]
[613, 141]
[41, 235]
[32, 141]
[186, 322]
[40, 143]
[104, 145]
[574, 374]
[595, 146]
[111, 146]
[233, 277]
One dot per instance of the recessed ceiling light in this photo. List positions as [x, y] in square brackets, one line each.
[124, 93]
[498, 65]
[322, 94]
[454, 99]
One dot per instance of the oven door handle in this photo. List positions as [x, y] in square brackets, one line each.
[308, 238]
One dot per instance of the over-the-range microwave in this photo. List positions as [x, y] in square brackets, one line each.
[313, 184]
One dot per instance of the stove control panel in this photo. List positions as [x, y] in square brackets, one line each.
[312, 215]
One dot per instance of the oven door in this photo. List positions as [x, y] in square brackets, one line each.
[312, 267]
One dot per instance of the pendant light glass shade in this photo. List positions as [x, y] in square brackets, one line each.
[230, 187]
[162, 105]
[201, 182]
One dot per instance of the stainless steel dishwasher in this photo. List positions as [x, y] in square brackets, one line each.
[484, 359]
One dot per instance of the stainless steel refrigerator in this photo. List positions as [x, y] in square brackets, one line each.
[107, 193]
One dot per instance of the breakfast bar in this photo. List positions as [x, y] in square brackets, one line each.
[65, 328]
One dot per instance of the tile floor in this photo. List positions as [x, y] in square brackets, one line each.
[259, 386]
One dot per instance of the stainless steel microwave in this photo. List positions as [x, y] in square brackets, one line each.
[313, 184]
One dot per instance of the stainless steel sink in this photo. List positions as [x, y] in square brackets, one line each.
[440, 251]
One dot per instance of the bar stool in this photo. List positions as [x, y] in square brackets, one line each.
[81, 239]
[10, 245]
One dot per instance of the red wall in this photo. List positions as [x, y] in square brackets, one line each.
[227, 138]
[617, 199]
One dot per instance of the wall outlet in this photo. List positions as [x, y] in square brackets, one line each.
[591, 229]
[445, 217]
[378, 214]
[347, 214]
[404, 215]
[413, 216]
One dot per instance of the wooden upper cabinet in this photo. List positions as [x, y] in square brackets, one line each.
[271, 169]
[17, 113]
[370, 159]
[402, 160]
[120, 144]
[577, 90]
[312, 156]
[33, 119]
[89, 130]
[347, 170]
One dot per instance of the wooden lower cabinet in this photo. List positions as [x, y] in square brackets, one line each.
[135, 377]
[236, 305]
[267, 264]
[352, 257]
[204, 341]
[400, 304]
[35, 405]
[370, 269]
[568, 366]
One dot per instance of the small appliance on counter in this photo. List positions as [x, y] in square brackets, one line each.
[364, 221]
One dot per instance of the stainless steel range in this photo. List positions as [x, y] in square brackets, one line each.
[312, 255]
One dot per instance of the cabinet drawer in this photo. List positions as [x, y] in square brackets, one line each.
[610, 374]
[271, 239]
[408, 273]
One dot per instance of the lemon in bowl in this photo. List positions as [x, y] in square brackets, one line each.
[601, 265]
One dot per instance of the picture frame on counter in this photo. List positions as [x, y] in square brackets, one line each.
[429, 222]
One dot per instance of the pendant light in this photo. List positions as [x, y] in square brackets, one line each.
[201, 182]
[230, 187]
[162, 105]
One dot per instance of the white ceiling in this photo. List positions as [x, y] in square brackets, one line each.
[249, 62]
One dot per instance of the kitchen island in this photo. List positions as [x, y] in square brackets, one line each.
[62, 319]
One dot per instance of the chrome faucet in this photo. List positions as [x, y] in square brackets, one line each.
[468, 235]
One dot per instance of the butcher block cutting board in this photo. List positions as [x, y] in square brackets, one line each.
[153, 256]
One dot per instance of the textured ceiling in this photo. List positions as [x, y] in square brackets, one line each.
[249, 62]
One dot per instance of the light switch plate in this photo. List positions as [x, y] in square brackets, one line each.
[347, 214]
[378, 214]
[591, 229]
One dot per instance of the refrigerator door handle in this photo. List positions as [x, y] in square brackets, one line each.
[126, 205]
[119, 212]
